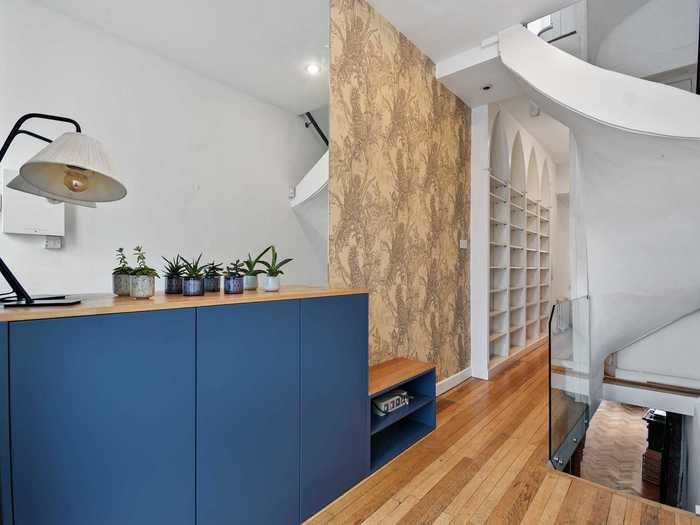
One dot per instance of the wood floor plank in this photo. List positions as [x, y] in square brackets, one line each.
[431, 506]
[485, 462]
[633, 516]
[556, 500]
[578, 505]
[618, 509]
[536, 508]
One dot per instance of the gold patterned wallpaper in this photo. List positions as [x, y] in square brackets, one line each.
[399, 187]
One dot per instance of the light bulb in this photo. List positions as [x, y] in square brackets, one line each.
[75, 180]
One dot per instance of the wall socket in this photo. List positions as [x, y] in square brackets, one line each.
[53, 242]
[464, 244]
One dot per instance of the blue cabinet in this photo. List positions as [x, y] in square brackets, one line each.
[334, 410]
[103, 419]
[251, 413]
[248, 414]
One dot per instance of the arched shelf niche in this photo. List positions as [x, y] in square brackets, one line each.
[517, 164]
[498, 155]
[546, 186]
[533, 178]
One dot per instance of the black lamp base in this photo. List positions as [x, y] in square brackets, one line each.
[54, 300]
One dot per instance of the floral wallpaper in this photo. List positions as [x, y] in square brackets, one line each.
[399, 190]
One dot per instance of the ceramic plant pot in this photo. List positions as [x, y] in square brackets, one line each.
[173, 285]
[121, 284]
[233, 285]
[250, 282]
[142, 286]
[272, 284]
[193, 286]
[212, 284]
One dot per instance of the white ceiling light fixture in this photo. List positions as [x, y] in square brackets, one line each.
[313, 69]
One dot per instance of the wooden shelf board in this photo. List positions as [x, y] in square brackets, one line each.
[497, 312]
[516, 227]
[398, 370]
[496, 221]
[496, 337]
[498, 198]
[498, 290]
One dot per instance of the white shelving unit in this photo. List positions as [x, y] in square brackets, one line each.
[520, 271]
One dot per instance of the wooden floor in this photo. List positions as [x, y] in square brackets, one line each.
[486, 463]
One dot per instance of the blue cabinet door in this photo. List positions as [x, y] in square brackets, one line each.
[102, 419]
[334, 403]
[248, 414]
[5, 480]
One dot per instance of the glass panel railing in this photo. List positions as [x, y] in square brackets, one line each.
[569, 374]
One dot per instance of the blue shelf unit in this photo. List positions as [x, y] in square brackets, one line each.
[390, 435]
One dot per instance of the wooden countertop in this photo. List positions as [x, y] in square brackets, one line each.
[99, 304]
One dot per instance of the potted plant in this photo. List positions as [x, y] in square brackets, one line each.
[173, 275]
[212, 277]
[250, 276]
[121, 275]
[143, 277]
[193, 280]
[273, 271]
[233, 280]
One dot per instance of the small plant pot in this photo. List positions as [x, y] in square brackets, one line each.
[233, 285]
[142, 286]
[250, 282]
[173, 285]
[121, 284]
[212, 284]
[193, 286]
[271, 284]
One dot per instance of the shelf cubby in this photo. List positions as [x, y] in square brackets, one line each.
[395, 432]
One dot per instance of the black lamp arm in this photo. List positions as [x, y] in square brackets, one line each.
[17, 129]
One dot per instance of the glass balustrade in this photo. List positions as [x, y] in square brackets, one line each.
[569, 374]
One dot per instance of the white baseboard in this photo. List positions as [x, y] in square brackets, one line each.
[448, 384]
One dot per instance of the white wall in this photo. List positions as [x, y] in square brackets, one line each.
[659, 36]
[207, 169]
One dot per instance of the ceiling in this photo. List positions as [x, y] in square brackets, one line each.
[260, 48]
[443, 28]
[550, 133]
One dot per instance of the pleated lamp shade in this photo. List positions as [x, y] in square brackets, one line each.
[74, 169]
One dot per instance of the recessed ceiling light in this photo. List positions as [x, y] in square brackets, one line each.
[313, 69]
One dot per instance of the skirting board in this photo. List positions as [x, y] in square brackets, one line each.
[455, 380]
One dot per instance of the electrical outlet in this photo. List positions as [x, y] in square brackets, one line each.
[464, 244]
[53, 242]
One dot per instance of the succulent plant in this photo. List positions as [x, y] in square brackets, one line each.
[273, 268]
[193, 269]
[235, 269]
[251, 264]
[174, 267]
[141, 267]
[122, 267]
[213, 269]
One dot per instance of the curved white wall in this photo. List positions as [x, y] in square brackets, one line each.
[636, 165]
[659, 36]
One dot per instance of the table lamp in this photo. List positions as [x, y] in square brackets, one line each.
[73, 169]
